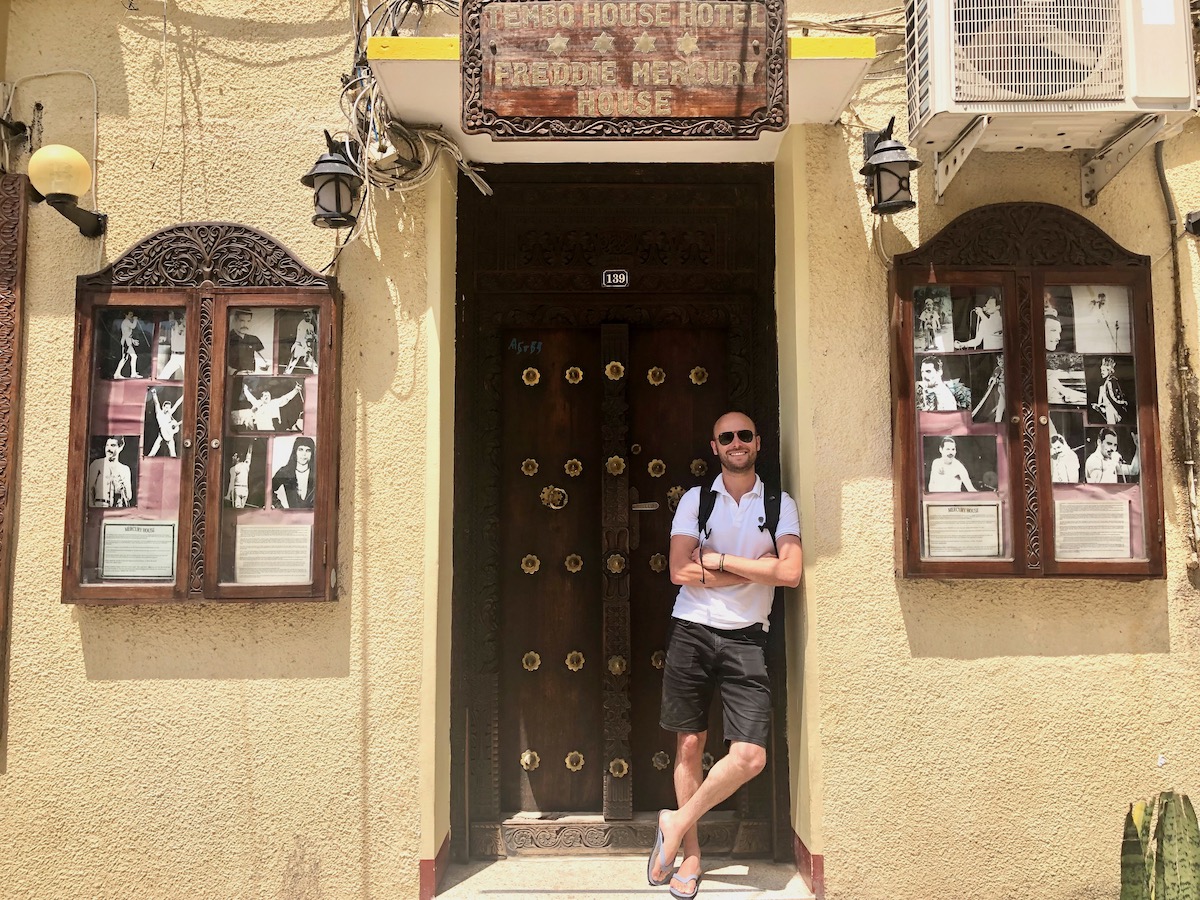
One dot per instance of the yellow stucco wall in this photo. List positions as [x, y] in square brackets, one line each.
[948, 739]
[241, 750]
[976, 738]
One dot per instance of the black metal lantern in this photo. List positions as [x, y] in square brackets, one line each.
[887, 167]
[334, 182]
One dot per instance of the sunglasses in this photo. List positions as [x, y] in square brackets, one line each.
[725, 438]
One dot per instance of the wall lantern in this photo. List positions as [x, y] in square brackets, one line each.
[335, 182]
[887, 167]
[60, 176]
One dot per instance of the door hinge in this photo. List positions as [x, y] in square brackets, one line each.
[325, 553]
[67, 562]
[907, 530]
[329, 336]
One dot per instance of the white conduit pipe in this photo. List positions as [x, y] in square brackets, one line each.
[1183, 367]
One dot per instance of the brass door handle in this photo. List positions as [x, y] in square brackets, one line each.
[645, 507]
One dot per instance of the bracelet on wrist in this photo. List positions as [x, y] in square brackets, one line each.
[721, 565]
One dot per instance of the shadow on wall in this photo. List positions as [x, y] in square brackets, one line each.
[849, 306]
[978, 620]
[216, 641]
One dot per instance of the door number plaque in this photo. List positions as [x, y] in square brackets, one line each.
[615, 278]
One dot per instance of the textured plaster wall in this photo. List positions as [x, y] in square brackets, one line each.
[242, 750]
[978, 738]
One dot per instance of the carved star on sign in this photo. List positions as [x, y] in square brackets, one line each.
[644, 44]
[603, 43]
[687, 44]
[557, 44]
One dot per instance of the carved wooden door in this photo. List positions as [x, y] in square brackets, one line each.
[604, 429]
[582, 417]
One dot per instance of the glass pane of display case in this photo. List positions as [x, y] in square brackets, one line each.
[133, 474]
[1095, 451]
[962, 452]
[268, 445]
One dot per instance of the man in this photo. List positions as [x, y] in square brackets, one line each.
[109, 481]
[1110, 399]
[1064, 463]
[947, 473]
[266, 411]
[717, 636]
[168, 425]
[176, 324]
[245, 349]
[937, 395]
[989, 327]
[239, 479]
[1105, 465]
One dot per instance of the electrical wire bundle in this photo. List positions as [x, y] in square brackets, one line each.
[392, 154]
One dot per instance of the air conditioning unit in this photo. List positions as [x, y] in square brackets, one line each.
[1051, 74]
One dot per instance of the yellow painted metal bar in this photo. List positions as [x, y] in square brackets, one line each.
[848, 47]
[412, 48]
[799, 47]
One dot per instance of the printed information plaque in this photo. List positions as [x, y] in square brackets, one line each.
[137, 550]
[1091, 529]
[960, 530]
[561, 69]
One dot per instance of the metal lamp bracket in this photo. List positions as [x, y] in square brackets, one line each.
[949, 161]
[1103, 166]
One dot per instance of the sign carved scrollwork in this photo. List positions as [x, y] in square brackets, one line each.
[630, 70]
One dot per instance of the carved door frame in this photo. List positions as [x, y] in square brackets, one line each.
[515, 273]
[14, 215]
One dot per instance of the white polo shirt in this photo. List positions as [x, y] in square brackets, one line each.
[732, 528]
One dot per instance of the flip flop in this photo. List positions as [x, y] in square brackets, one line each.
[686, 879]
[663, 862]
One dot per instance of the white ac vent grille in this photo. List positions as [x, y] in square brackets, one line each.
[1014, 50]
[916, 41]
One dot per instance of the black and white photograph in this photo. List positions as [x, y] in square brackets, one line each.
[296, 349]
[163, 421]
[933, 318]
[293, 473]
[942, 384]
[244, 470]
[979, 320]
[1067, 443]
[1112, 456]
[960, 462]
[1110, 390]
[1102, 319]
[251, 340]
[112, 473]
[986, 380]
[1065, 382]
[266, 403]
[124, 344]
[172, 343]
[1059, 318]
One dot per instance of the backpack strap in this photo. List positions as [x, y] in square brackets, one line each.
[771, 504]
[708, 502]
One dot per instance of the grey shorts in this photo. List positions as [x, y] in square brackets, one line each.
[699, 659]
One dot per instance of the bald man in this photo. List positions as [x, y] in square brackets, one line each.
[718, 635]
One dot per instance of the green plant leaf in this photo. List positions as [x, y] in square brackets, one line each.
[1177, 858]
[1135, 883]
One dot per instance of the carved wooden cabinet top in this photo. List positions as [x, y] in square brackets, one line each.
[187, 255]
[1021, 235]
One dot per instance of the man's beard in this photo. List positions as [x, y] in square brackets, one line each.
[739, 468]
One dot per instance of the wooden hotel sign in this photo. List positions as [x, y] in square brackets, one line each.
[592, 69]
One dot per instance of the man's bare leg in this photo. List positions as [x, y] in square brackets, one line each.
[743, 762]
[689, 775]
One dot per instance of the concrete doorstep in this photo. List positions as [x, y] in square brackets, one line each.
[613, 878]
